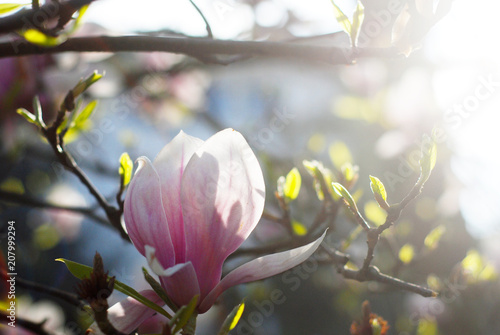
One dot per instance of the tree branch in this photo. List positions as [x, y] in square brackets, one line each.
[197, 47]
[68, 297]
[31, 202]
[36, 17]
[35, 327]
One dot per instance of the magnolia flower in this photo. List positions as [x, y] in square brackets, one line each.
[191, 208]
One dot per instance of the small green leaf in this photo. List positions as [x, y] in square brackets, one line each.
[232, 319]
[9, 7]
[357, 20]
[85, 113]
[37, 37]
[78, 20]
[125, 169]
[81, 271]
[298, 228]
[310, 166]
[432, 239]
[27, 115]
[344, 193]
[379, 192]
[342, 19]
[37, 108]
[293, 182]
[406, 253]
[183, 315]
[320, 175]
[349, 172]
[84, 84]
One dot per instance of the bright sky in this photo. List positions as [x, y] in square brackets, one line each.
[227, 18]
[465, 47]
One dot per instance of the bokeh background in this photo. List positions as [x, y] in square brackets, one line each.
[372, 114]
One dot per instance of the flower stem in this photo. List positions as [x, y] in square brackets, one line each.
[190, 326]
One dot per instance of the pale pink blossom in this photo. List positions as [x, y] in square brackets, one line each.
[193, 206]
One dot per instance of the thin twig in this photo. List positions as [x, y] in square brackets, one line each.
[68, 297]
[374, 274]
[34, 327]
[32, 202]
[56, 141]
[209, 29]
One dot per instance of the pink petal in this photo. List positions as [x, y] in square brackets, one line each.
[260, 268]
[170, 164]
[144, 214]
[222, 198]
[128, 314]
[181, 283]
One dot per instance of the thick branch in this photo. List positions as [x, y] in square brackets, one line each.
[197, 47]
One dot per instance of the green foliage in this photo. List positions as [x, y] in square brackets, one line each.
[182, 316]
[156, 286]
[81, 271]
[78, 21]
[27, 116]
[432, 239]
[232, 319]
[357, 20]
[476, 268]
[77, 122]
[125, 169]
[379, 192]
[321, 176]
[37, 37]
[292, 185]
[342, 19]
[351, 28]
[84, 84]
[9, 7]
[37, 109]
[344, 193]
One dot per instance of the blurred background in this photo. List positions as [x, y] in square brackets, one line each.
[371, 114]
